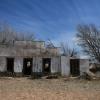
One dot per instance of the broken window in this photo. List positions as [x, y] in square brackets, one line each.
[10, 64]
[27, 66]
[74, 67]
[46, 65]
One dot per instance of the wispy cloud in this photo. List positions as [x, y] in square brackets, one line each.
[54, 19]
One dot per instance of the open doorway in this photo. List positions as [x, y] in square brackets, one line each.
[27, 66]
[74, 67]
[46, 65]
[10, 65]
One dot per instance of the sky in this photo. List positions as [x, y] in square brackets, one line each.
[50, 19]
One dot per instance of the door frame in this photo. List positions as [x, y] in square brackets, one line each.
[43, 65]
[12, 64]
[75, 67]
[25, 66]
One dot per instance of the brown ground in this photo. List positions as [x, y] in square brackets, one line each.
[52, 89]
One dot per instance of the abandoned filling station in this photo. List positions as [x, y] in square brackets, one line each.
[33, 57]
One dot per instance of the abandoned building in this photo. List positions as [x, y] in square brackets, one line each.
[33, 57]
[73, 66]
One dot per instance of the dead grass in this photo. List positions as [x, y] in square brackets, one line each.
[54, 89]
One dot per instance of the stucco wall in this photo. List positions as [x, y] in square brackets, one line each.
[65, 66]
[26, 51]
[3, 64]
[84, 65]
[37, 64]
[18, 64]
[30, 44]
[55, 64]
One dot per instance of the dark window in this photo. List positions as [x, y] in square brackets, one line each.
[27, 66]
[74, 67]
[10, 64]
[46, 65]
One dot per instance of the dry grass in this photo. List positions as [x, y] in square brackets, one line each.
[54, 89]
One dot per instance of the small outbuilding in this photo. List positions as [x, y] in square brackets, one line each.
[73, 66]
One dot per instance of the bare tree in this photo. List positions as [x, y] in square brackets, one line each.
[68, 51]
[8, 35]
[89, 39]
[50, 44]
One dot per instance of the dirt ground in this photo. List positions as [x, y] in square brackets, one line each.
[51, 89]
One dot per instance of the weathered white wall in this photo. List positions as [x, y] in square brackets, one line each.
[3, 64]
[30, 44]
[55, 64]
[84, 65]
[37, 64]
[18, 64]
[65, 66]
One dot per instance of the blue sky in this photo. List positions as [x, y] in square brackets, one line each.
[50, 19]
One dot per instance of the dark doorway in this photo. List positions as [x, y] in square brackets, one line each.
[27, 66]
[74, 67]
[10, 65]
[46, 65]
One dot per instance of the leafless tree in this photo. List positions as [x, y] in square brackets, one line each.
[68, 51]
[50, 44]
[8, 35]
[89, 39]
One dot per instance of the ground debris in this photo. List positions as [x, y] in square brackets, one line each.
[89, 76]
[50, 77]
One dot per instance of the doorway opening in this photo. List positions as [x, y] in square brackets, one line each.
[10, 65]
[27, 66]
[74, 67]
[46, 65]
